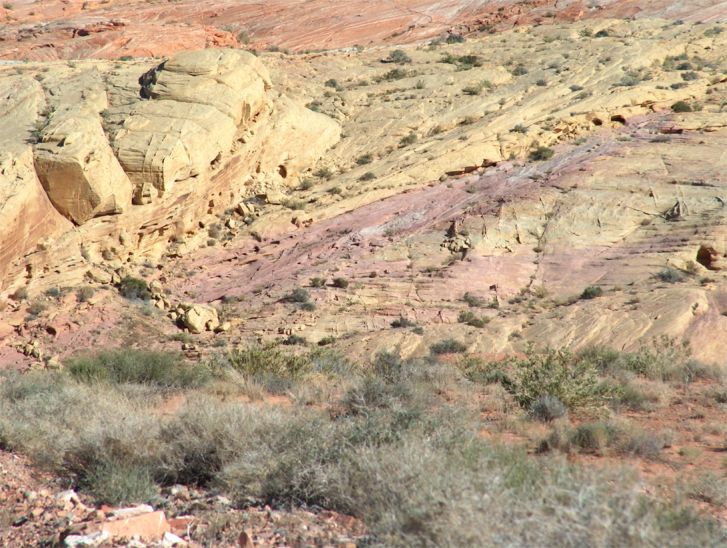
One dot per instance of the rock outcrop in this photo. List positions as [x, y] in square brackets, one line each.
[145, 151]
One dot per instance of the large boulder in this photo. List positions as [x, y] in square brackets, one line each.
[199, 318]
[79, 171]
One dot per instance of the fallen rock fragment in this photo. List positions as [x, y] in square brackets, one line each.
[150, 527]
[199, 318]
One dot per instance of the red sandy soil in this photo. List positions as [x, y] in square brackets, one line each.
[68, 29]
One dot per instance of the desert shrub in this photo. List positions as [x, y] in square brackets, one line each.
[368, 176]
[690, 76]
[117, 483]
[519, 70]
[681, 106]
[332, 83]
[293, 340]
[399, 56]
[36, 308]
[473, 300]
[408, 140]
[256, 362]
[463, 62]
[160, 369]
[547, 408]
[134, 289]
[323, 173]
[318, 282]
[591, 292]
[417, 476]
[341, 283]
[298, 295]
[519, 128]
[402, 322]
[542, 153]
[671, 275]
[592, 437]
[471, 319]
[555, 373]
[53, 292]
[19, 294]
[448, 346]
[83, 294]
[541, 82]
[708, 487]
[662, 359]
[326, 341]
[364, 159]
[293, 204]
[394, 74]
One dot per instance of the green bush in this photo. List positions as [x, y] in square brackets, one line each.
[555, 373]
[472, 320]
[115, 483]
[83, 294]
[161, 369]
[261, 362]
[591, 292]
[399, 56]
[547, 408]
[671, 275]
[448, 346]
[541, 153]
[681, 106]
[134, 289]
[341, 283]
[408, 140]
[298, 295]
[417, 476]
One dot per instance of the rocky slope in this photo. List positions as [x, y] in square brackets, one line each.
[71, 29]
[435, 180]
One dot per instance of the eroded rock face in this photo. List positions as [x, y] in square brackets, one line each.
[79, 171]
[142, 150]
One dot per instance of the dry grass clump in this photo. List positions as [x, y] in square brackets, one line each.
[392, 449]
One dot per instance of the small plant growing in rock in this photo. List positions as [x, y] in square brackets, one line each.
[448, 346]
[681, 106]
[671, 275]
[324, 173]
[542, 153]
[408, 140]
[364, 159]
[37, 308]
[591, 292]
[402, 322]
[53, 292]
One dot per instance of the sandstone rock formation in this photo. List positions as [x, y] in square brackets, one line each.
[183, 138]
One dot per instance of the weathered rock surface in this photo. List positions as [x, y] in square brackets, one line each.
[185, 138]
